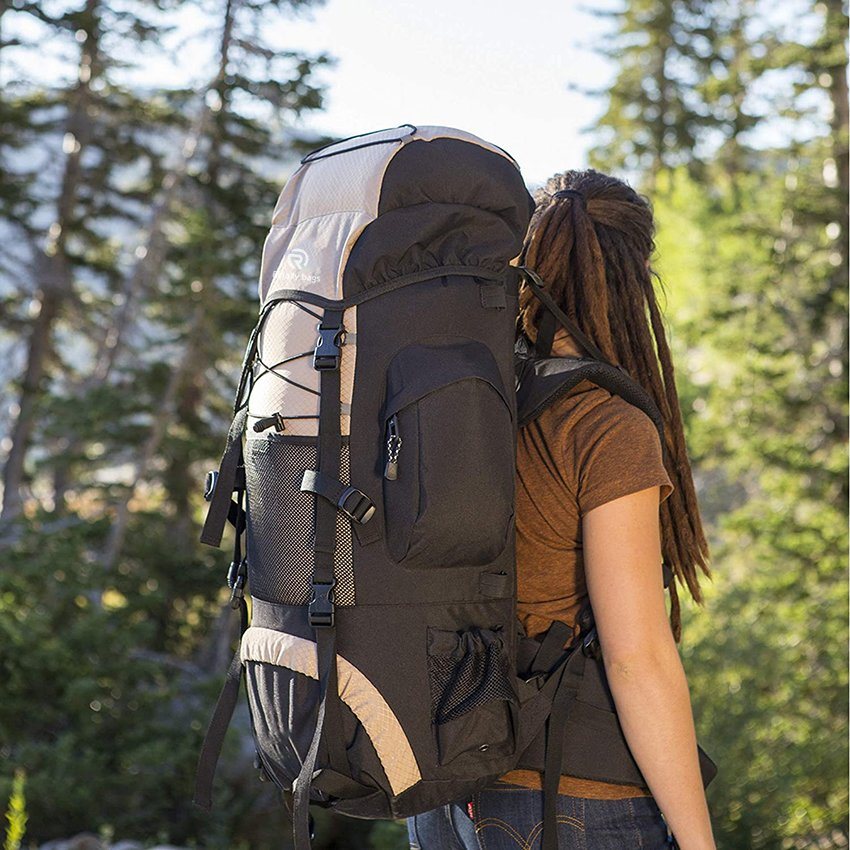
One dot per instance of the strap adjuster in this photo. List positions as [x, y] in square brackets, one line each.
[237, 575]
[356, 505]
[320, 612]
[590, 644]
[326, 354]
[209, 484]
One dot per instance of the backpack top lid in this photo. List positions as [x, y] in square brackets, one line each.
[366, 210]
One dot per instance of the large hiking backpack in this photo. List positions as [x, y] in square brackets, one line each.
[380, 396]
[377, 401]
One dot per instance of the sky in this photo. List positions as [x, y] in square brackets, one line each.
[502, 70]
[508, 71]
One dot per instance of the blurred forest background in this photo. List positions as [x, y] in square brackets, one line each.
[132, 221]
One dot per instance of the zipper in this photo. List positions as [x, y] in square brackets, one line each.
[393, 448]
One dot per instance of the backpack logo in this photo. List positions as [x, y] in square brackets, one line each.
[293, 268]
[297, 258]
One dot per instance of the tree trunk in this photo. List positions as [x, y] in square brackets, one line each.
[53, 270]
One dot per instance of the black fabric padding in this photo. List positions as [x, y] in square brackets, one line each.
[540, 383]
[454, 171]
[442, 202]
[409, 239]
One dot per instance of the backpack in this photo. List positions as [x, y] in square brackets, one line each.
[375, 486]
[379, 400]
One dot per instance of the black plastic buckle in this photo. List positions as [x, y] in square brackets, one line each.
[209, 484]
[361, 509]
[237, 575]
[590, 644]
[327, 353]
[320, 612]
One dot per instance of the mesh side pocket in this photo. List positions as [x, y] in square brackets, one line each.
[281, 519]
[466, 669]
[472, 696]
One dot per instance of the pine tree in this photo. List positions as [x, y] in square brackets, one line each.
[753, 249]
[69, 217]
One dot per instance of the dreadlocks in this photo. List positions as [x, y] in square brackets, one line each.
[591, 239]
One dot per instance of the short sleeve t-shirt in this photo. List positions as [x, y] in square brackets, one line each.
[590, 447]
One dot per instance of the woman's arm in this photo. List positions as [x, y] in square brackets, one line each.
[622, 554]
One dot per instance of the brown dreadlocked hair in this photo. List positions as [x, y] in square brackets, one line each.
[592, 246]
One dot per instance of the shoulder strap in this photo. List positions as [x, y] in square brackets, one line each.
[541, 382]
[547, 332]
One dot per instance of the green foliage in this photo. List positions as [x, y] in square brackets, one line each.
[752, 246]
[131, 276]
[16, 813]
[89, 696]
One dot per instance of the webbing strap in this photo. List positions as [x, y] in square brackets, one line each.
[322, 618]
[221, 501]
[562, 702]
[536, 283]
[326, 658]
[352, 502]
[219, 722]
[551, 648]
[546, 328]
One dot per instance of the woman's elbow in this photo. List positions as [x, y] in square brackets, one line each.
[651, 658]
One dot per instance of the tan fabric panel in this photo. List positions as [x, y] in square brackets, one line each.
[289, 331]
[355, 690]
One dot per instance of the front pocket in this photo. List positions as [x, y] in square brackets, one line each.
[448, 456]
[473, 703]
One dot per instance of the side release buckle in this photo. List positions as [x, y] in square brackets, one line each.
[209, 484]
[590, 644]
[320, 612]
[326, 354]
[237, 575]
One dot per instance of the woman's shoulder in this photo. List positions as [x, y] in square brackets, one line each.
[589, 410]
[609, 447]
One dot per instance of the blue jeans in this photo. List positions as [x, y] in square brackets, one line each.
[508, 817]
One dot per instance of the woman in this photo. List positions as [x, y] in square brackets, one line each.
[591, 483]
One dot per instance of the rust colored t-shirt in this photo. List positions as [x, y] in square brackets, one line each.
[588, 448]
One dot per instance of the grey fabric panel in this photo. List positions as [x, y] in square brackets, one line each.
[292, 388]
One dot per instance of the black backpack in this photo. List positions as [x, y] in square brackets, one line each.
[375, 487]
[376, 481]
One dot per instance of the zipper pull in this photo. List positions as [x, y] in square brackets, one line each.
[393, 448]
